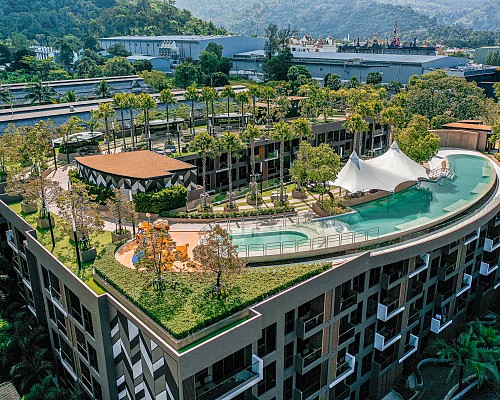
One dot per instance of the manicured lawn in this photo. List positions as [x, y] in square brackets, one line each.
[186, 305]
[64, 250]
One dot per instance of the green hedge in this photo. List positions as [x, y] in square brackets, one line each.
[184, 308]
[163, 200]
[247, 213]
[101, 193]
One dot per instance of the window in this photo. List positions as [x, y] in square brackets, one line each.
[269, 380]
[374, 277]
[289, 321]
[358, 283]
[366, 364]
[45, 275]
[74, 306]
[369, 335]
[288, 355]
[431, 291]
[92, 357]
[86, 377]
[97, 390]
[372, 305]
[228, 366]
[288, 389]
[87, 321]
[80, 339]
[267, 343]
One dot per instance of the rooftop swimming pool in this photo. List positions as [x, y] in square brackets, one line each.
[417, 206]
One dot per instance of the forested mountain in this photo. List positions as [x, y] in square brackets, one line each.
[46, 20]
[425, 19]
[357, 18]
[476, 14]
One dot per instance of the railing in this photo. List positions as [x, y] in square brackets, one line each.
[450, 269]
[306, 393]
[416, 289]
[272, 155]
[421, 264]
[344, 369]
[472, 236]
[386, 312]
[440, 172]
[317, 243]
[11, 242]
[437, 326]
[466, 284]
[414, 316]
[348, 300]
[491, 244]
[306, 325]
[393, 276]
[234, 385]
[487, 268]
[410, 347]
[346, 333]
[304, 360]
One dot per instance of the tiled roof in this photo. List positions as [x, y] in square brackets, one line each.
[470, 126]
[8, 391]
[143, 164]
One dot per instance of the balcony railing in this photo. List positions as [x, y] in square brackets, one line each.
[472, 236]
[491, 244]
[11, 242]
[67, 366]
[272, 155]
[234, 385]
[348, 300]
[466, 284]
[344, 369]
[386, 338]
[386, 312]
[391, 277]
[307, 324]
[307, 393]
[421, 264]
[410, 348]
[486, 268]
[442, 298]
[304, 360]
[346, 333]
[437, 326]
[416, 289]
[414, 316]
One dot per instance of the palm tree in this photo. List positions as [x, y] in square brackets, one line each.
[103, 90]
[253, 92]
[104, 113]
[356, 125]
[282, 132]
[229, 94]
[120, 102]
[209, 95]
[251, 133]
[167, 97]
[242, 98]
[393, 116]
[231, 143]
[69, 97]
[204, 144]
[469, 358]
[191, 95]
[131, 104]
[39, 93]
[30, 370]
[268, 94]
[302, 128]
[146, 104]
[487, 335]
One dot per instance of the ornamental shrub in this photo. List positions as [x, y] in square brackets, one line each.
[164, 200]
[209, 215]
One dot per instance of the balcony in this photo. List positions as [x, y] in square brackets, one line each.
[466, 284]
[311, 392]
[386, 312]
[421, 264]
[342, 392]
[234, 385]
[491, 244]
[307, 359]
[347, 300]
[346, 332]
[344, 369]
[416, 288]
[472, 236]
[389, 278]
[486, 268]
[414, 316]
[67, 365]
[272, 155]
[222, 167]
[446, 272]
[437, 326]
[442, 298]
[384, 360]
[306, 324]
[386, 337]
[11, 242]
[410, 348]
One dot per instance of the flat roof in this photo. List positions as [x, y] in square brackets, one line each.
[171, 37]
[471, 126]
[142, 164]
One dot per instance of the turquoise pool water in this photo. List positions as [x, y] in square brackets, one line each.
[402, 211]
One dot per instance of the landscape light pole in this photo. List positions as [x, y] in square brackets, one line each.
[54, 153]
[133, 219]
[132, 130]
[114, 137]
[45, 205]
[75, 235]
[50, 224]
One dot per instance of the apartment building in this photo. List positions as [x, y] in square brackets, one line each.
[347, 333]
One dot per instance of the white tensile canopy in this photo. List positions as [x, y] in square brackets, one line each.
[396, 161]
[382, 173]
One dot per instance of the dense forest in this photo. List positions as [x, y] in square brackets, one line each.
[46, 20]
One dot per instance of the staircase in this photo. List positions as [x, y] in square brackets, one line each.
[442, 175]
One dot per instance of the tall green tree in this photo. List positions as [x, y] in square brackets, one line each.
[229, 94]
[203, 144]
[281, 133]
[103, 89]
[118, 66]
[186, 74]
[131, 104]
[146, 104]
[251, 134]
[168, 98]
[242, 99]
[416, 140]
[191, 94]
[120, 103]
[105, 112]
[39, 93]
[231, 144]
[208, 95]
[356, 125]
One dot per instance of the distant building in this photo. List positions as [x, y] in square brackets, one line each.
[159, 63]
[482, 53]
[178, 48]
[395, 67]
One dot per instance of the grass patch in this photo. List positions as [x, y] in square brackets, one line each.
[64, 250]
[185, 306]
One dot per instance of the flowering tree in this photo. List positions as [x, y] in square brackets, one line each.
[157, 253]
[217, 255]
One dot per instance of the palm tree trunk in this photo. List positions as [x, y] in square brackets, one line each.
[204, 177]
[230, 177]
[212, 122]
[282, 168]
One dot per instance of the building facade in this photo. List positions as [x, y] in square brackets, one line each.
[348, 333]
